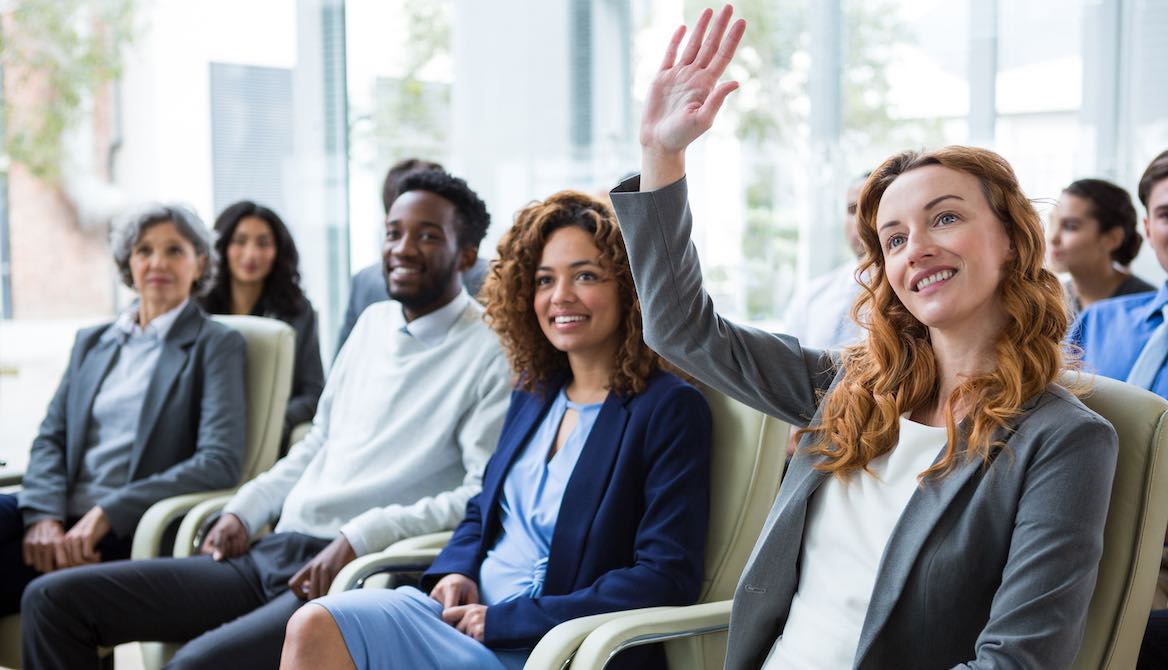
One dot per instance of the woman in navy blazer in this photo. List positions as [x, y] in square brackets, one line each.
[151, 406]
[625, 523]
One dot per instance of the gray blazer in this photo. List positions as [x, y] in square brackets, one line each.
[190, 434]
[992, 566]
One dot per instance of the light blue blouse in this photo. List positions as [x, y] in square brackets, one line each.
[532, 493]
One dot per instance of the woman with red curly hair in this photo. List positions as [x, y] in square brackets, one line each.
[597, 497]
[946, 503]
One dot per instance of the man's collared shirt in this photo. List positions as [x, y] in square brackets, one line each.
[431, 329]
[1113, 332]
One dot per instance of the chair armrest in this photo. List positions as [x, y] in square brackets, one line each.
[412, 554]
[556, 649]
[353, 575]
[648, 626]
[188, 530]
[428, 541]
[152, 526]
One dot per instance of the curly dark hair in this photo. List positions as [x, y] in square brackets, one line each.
[282, 293]
[1112, 207]
[397, 171]
[472, 217]
[509, 292]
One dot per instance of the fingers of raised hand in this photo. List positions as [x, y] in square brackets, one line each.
[714, 39]
[721, 56]
[695, 37]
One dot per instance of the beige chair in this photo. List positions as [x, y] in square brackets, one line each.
[271, 350]
[1127, 575]
[748, 454]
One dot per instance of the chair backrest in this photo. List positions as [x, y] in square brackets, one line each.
[1134, 536]
[271, 354]
[747, 459]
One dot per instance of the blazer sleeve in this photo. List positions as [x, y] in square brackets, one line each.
[1038, 613]
[219, 446]
[45, 486]
[771, 373]
[670, 542]
[307, 373]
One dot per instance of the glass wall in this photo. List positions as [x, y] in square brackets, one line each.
[305, 104]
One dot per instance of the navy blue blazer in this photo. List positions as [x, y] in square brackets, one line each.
[632, 528]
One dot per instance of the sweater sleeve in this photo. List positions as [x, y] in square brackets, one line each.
[477, 433]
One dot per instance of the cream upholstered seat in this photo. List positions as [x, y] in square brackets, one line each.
[748, 454]
[1127, 574]
[271, 350]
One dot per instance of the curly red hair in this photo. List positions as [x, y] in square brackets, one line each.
[509, 292]
[895, 372]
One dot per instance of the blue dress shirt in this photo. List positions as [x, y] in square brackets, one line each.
[532, 494]
[1113, 332]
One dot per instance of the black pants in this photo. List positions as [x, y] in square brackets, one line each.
[14, 574]
[233, 612]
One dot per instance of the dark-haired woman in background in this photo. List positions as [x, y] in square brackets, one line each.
[261, 277]
[1093, 237]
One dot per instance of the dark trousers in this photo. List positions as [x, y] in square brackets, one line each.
[1154, 650]
[14, 574]
[232, 612]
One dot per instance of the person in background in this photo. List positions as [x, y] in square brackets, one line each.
[819, 312]
[1093, 237]
[261, 277]
[601, 446]
[368, 285]
[407, 421]
[1126, 338]
[947, 502]
[150, 406]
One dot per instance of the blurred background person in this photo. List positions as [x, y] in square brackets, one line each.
[819, 313]
[260, 276]
[1093, 237]
[150, 406]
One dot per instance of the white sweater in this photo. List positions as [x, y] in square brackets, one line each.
[404, 428]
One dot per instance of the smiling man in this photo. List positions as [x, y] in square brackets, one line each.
[408, 418]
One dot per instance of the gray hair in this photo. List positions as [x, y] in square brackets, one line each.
[130, 229]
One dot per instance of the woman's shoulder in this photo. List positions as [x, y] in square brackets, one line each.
[1060, 411]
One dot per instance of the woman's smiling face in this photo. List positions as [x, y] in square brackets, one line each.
[944, 249]
[577, 301]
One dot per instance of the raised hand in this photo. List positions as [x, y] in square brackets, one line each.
[685, 95]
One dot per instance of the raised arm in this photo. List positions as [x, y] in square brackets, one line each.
[771, 373]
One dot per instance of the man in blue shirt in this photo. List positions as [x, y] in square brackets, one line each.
[1126, 338]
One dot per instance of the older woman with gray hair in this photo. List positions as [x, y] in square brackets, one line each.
[150, 406]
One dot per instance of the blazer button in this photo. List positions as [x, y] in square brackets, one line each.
[754, 589]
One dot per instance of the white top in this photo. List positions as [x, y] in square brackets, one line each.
[402, 433]
[818, 313]
[848, 525]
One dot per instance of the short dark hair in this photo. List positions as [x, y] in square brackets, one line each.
[282, 293]
[1156, 172]
[471, 212]
[1112, 207]
[391, 186]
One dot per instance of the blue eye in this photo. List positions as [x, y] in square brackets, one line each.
[895, 241]
[946, 219]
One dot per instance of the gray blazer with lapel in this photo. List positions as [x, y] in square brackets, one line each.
[190, 434]
[992, 566]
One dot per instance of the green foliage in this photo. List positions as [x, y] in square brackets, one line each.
[70, 48]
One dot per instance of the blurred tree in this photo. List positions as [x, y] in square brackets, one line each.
[63, 51]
